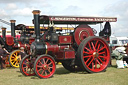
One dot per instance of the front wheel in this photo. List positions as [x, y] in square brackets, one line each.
[93, 54]
[44, 66]
[26, 66]
[14, 58]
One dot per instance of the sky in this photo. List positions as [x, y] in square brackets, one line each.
[21, 11]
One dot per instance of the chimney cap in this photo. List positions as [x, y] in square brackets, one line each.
[36, 12]
[3, 28]
[12, 21]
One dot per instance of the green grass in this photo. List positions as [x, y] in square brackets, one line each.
[113, 76]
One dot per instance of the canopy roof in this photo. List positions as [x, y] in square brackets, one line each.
[75, 19]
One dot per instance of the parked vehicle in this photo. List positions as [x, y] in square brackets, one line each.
[77, 50]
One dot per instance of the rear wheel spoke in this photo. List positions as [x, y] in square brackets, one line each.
[101, 48]
[98, 62]
[95, 64]
[87, 60]
[96, 43]
[91, 61]
[87, 49]
[93, 46]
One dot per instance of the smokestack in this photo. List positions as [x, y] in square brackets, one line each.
[36, 14]
[4, 33]
[13, 28]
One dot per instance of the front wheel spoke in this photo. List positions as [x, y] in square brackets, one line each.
[50, 63]
[40, 63]
[51, 67]
[16, 63]
[40, 69]
[44, 61]
[42, 72]
[14, 55]
[49, 70]
[39, 66]
[46, 73]
[27, 69]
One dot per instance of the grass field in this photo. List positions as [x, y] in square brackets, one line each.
[113, 76]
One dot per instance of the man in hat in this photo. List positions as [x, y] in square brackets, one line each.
[3, 55]
[22, 53]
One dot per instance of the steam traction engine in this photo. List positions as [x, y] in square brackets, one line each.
[77, 50]
[13, 43]
[25, 41]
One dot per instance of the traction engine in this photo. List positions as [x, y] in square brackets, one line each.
[79, 50]
[13, 43]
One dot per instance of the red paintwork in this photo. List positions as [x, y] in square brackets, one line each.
[10, 40]
[60, 50]
[65, 39]
[55, 48]
[65, 54]
[82, 32]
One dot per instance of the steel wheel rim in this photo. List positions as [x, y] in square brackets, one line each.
[26, 68]
[45, 67]
[96, 55]
[14, 59]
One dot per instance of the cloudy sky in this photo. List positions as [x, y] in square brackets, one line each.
[21, 11]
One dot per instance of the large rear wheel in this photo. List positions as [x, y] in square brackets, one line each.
[93, 54]
[44, 66]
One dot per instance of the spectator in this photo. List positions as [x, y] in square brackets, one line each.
[3, 55]
[22, 53]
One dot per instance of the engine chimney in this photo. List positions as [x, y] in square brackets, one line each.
[13, 28]
[36, 14]
[4, 33]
